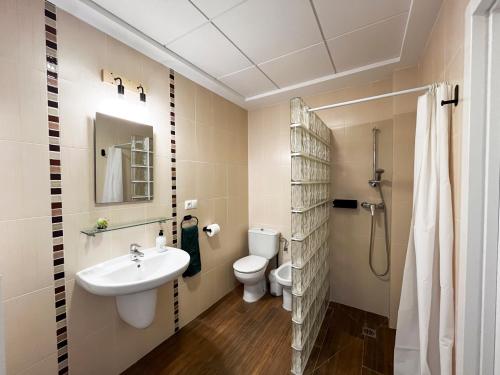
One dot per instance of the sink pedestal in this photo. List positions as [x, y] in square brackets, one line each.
[137, 309]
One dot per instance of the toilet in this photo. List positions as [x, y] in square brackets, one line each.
[263, 245]
[284, 278]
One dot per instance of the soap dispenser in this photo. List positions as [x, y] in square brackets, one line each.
[161, 241]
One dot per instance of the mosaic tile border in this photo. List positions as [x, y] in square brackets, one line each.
[173, 160]
[55, 185]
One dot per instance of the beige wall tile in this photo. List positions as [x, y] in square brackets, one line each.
[204, 106]
[205, 139]
[22, 39]
[25, 166]
[221, 113]
[123, 59]
[29, 330]
[26, 267]
[185, 91]
[23, 105]
[398, 257]
[77, 189]
[86, 357]
[26, 262]
[405, 79]
[80, 134]
[237, 180]
[365, 291]
[87, 313]
[47, 366]
[187, 147]
[454, 26]
[84, 51]
[186, 180]
[162, 178]
[155, 334]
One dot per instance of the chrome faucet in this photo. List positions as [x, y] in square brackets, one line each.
[135, 253]
[373, 206]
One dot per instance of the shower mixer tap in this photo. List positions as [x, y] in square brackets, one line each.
[373, 206]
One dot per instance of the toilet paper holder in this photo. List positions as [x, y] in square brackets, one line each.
[212, 229]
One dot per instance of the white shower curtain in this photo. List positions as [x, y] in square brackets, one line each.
[113, 180]
[425, 328]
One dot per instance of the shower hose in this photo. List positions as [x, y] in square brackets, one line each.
[372, 238]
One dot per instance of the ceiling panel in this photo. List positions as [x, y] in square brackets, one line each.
[281, 36]
[338, 17]
[162, 20]
[300, 66]
[369, 45]
[266, 29]
[213, 8]
[248, 82]
[208, 49]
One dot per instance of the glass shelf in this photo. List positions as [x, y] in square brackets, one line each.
[93, 231]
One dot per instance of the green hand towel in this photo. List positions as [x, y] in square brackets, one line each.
[189, 243]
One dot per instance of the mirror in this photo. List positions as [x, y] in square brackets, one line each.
[123, 158]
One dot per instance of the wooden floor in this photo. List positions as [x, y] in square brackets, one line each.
[234, 337]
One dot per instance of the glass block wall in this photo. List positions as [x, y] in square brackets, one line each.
[310, 147]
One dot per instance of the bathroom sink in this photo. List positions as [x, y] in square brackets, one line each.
[134, 283]
[121, 275]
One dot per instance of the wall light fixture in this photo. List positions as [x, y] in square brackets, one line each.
[142, 95]
[121, 88]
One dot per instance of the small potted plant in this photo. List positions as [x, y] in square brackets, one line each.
[102, 223]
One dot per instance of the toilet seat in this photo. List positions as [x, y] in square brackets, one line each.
[250, 264]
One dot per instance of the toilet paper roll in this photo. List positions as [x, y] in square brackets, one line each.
[212, 229]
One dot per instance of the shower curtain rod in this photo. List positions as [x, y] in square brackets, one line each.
[402, 92]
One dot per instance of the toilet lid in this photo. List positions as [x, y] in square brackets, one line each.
[251, 263]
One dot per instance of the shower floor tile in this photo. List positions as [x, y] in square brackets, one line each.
[343, 349]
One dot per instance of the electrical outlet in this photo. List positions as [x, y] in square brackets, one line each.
[190, 204]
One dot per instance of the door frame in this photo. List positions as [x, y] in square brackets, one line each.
[477, 294]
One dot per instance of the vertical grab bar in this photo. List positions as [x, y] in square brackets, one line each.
[374, 133]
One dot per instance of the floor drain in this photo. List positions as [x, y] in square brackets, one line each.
[370, 332]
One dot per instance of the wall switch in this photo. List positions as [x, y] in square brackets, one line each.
[191, 204]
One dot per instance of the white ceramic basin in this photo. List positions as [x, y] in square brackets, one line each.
[134, 283]
[119, 276]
